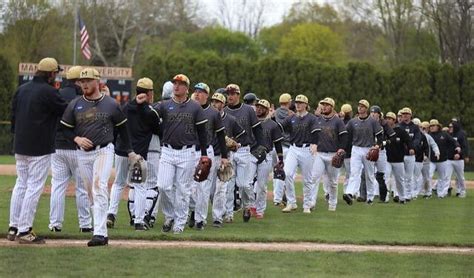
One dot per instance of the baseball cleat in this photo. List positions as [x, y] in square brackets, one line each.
[217, 224]
[86, 230]
[191, 221]
[426, 196]
[332, 208]
[307, 210]
[246, 215]
[461, 195]
[289, 208]
[98, 241]
[200, 226]
[402, 202]
[30, 238]
[347, 198]
[167, 226]
[140, 227]
[177, 232]
[361, 199]
[55, 229]
[11, 235]
[229, 219]
[396, 199]
[110, 221]
[370, 202]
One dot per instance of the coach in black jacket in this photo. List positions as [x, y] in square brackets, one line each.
[36, 107]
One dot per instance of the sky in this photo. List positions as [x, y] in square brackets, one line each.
[274, 11]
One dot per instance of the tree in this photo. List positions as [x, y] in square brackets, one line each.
[313, 41]
[453, 24]
[310, 11]
[242, 15]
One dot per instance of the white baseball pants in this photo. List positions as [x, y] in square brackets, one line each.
[322, 167]
[303, 158]
[31, 172]
[359, 161]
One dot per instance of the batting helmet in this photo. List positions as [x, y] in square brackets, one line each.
[375, 109]
[250, 98]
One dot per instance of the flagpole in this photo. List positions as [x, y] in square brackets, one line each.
[75, 33]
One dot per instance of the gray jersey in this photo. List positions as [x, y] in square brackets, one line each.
[280, 115]
[271, 133]
[94, 120]
[214, 124]
[232, 127]
[331, 129]
[300, 128]
[179, 121]
[247, 119]
[363, 131]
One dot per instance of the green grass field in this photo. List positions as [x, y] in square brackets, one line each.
[422, 222]
[103, 262]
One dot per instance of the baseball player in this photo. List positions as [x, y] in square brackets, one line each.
[279, 115]
[90, 121]
[183, 121]
[415, 134]
[395, 150]
[222, 204]
[303, 129]
[381, 163]
[36, 107]
[273, 137]
[217, 151]
[64, 167]
[332, 139]
[426, 144]
[252, 138]
[143, 122]
[456, 161]
[431, 146]
[251, 99]
[444, 142]
[364, 132]
[346, 116]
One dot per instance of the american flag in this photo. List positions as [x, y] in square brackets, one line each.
[86, 51]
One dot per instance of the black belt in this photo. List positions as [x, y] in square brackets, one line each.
[178, 147]
[98, 147]
[301, 145]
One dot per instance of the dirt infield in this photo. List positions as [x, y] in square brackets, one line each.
[255, 246]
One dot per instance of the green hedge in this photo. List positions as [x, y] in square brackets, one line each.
[432, 90]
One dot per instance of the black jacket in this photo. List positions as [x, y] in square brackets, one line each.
[36, 108]
[143, 122]
[397, 145]
[444, 141]
[460, 136]
[69, 92]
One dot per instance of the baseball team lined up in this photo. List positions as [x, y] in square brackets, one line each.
[161, 150]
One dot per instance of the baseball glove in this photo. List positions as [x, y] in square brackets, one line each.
[202, 169]
[138, 170]
[231, 144]
[373, 154]
[225, 173]
[278, 172]
[338, 159]
[260, 153]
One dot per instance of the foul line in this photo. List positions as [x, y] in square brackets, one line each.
[254, 246]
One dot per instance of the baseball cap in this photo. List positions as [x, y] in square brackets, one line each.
[346, 108]
[218, 96]
[364, 103]
[405, 110]
[375, 109]
[73, 72]
[89, 73]
[391, 115]
[301, 98]
[203, 87]
[264, 103]
[232, 88]
[416, 121]
[425, 124]
[329, 101]
[434, 122]
[49, 64]
[145, 83]
[181, 78]
[167, 90]
[399, 113]
[285, 98]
